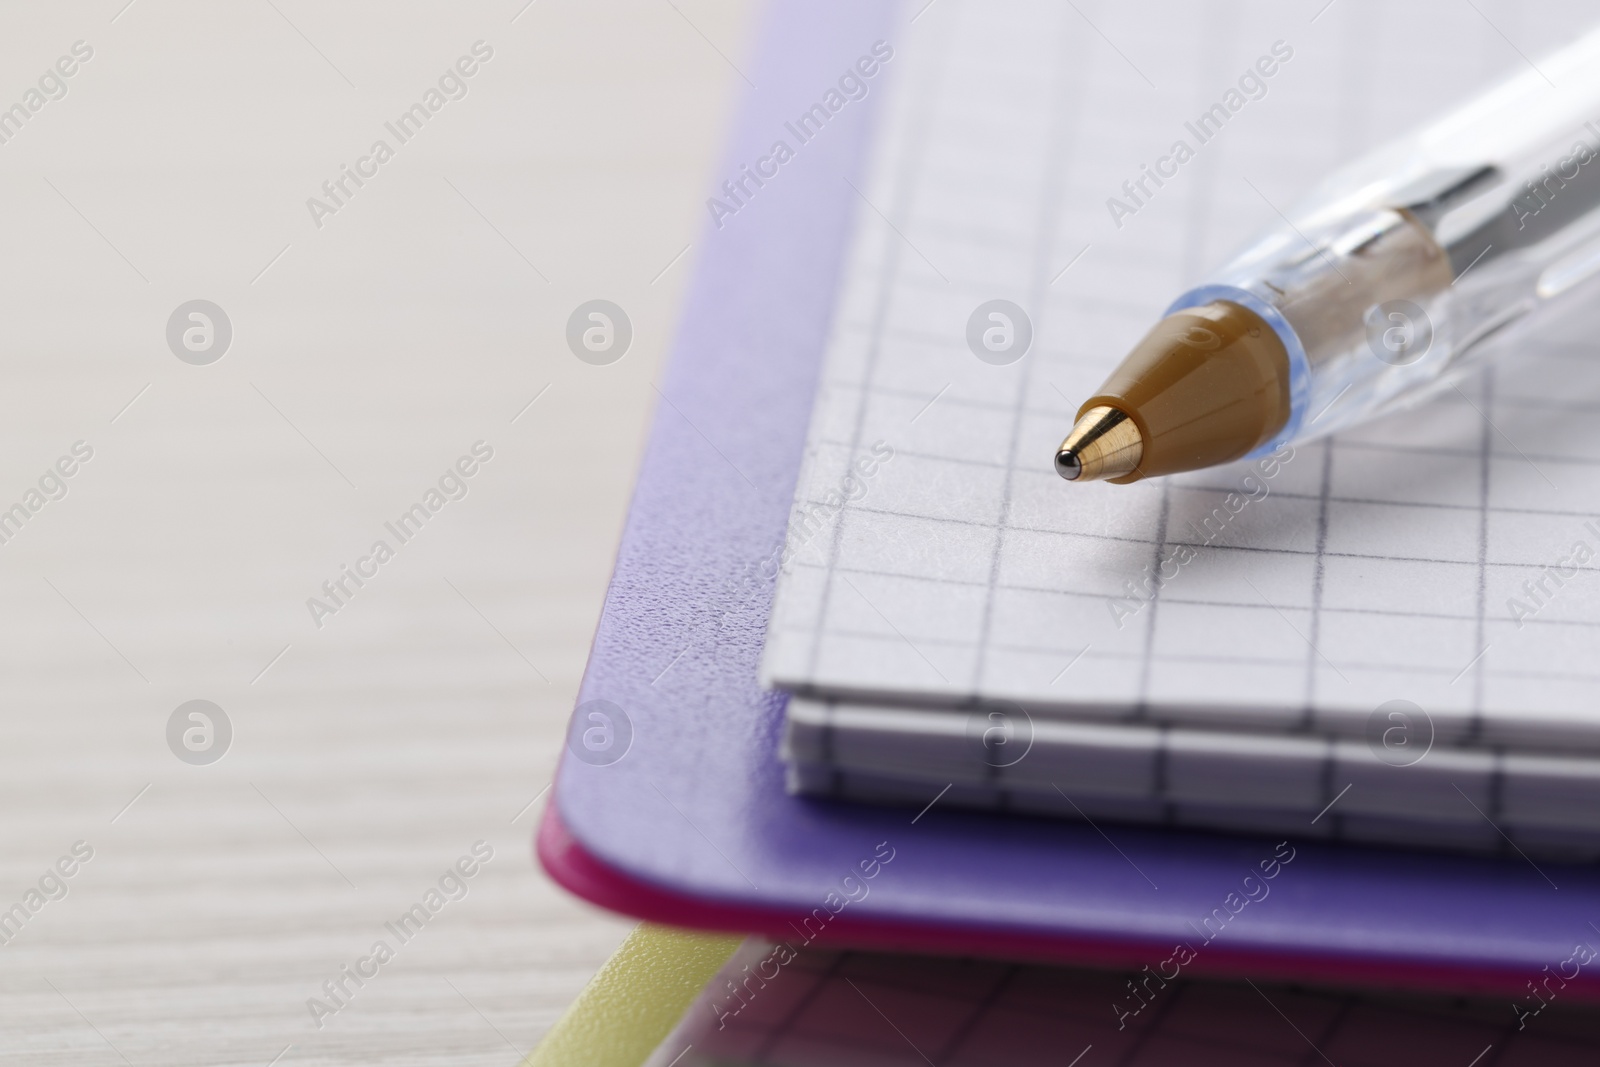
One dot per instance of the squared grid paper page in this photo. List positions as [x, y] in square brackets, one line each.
[868, 1010]
[1371, 570]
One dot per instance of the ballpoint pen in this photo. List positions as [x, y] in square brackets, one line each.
[1398, 276]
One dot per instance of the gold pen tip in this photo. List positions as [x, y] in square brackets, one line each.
[1104, 443]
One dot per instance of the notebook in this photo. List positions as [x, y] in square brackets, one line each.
[636, 998]
[774, 1004]
[1387, 627]
[671, 806]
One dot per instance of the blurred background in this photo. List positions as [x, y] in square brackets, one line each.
[347, 359]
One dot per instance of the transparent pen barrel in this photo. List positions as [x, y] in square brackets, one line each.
[1403, 272]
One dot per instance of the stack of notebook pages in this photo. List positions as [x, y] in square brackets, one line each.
[1385, 636]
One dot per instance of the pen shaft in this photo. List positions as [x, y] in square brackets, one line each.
[1406, 270]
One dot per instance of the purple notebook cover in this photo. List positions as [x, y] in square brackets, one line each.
[691, 825]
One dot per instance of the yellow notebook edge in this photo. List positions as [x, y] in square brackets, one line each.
[635, 999]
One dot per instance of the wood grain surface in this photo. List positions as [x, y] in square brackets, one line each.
[372, 347]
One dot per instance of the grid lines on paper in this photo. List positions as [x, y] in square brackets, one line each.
[893, 1011]
[890, 252]
[1388, 567]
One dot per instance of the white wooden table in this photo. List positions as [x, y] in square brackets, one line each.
[368, 353]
